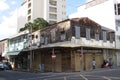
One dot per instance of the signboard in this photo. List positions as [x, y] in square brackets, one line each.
[53, 56]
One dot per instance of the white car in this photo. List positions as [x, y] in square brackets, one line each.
[1, 66]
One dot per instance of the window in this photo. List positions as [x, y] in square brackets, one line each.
[63, 35]
[46, 40]
[117, 9]
[42, 39]
[97, 36]
[52, 9]
[111, 37]
[29, 11]
[52, 22]
[53, 3]
[77, 32]
[29, 18]
[33, 37]
[52, 16]
[87, 33]
[53, 35]
[29, 5]
[36, 36]
[117, 25]
[104, 36]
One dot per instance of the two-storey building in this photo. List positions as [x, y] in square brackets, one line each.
[69, 45]
[72, 44]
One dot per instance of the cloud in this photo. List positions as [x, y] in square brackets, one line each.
[13, 2]
[3, 5]
[8, 25]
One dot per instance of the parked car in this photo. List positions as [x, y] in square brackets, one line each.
[7, 66]
[1, 66]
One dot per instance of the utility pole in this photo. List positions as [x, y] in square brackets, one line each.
[53, 60]
[81, 58]
[30, 48]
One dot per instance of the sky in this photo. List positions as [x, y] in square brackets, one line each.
[8, 15]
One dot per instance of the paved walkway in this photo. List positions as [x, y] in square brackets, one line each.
[95, 70]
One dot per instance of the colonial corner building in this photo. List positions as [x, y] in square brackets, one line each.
[69, 45]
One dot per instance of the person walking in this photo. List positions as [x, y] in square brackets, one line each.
[93, 64]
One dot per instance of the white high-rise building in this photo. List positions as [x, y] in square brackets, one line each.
[104, 12]
[51, 10]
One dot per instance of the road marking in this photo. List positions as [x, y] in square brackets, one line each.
[65, 78]
[106, 78]
[83, 77]
[41, 77]
[118, 78]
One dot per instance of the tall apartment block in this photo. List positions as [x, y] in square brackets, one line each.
[51, 10]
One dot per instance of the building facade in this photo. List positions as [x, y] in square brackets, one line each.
[3, 49]
[51, 10]
[104, 12]
[15, 46]
[71, 45]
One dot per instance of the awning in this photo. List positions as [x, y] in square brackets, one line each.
[12, 53]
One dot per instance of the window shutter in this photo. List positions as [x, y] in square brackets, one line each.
[77, 32]
[87, 33]
[104, 36]
[97, 36]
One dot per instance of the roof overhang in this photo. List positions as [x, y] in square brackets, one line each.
[13, 53]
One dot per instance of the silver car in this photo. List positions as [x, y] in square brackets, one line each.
[1, 66]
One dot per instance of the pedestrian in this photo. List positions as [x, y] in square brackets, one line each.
[110, 63]
[106, 65]
[93, 64]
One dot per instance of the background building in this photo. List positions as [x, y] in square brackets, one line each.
[51, 10]
[104, 12]
[3, 48]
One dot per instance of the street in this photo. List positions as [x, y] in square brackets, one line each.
[16, 75]
[100, 74]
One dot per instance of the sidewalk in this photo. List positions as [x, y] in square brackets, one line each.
[88, 71]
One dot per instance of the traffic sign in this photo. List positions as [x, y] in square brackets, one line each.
[53, 56]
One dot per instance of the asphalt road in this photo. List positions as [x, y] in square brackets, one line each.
[16, 75]
[100, 74]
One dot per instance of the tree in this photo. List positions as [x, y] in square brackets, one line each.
[37, 24]
[21, 29]
[28, 25]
